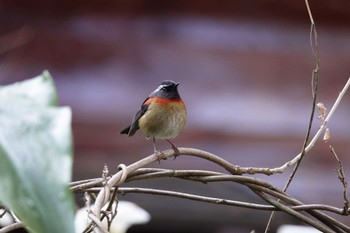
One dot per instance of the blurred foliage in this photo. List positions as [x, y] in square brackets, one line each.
[36, 155]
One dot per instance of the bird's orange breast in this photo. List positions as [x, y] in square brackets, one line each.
[163, 101]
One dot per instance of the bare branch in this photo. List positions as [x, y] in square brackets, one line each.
[221, 201]
[257, 186]
[294, 213]
[314, 85]
[342, 179]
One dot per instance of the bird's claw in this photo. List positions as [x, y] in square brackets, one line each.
[160, 155]
[176, 152]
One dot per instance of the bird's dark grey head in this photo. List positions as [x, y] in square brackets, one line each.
[166, 89]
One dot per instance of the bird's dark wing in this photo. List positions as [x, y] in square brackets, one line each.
[131, 129]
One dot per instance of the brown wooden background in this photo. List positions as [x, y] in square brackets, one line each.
[244, 69]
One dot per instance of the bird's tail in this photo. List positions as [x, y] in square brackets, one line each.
[126, 130]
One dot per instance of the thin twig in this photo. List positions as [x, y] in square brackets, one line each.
[315, 78]
[342, 179]
[325, 219]
[294, 213]
[223, 201]
[314, 85]
[194, 197]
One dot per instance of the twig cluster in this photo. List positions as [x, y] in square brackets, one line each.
[263, 189]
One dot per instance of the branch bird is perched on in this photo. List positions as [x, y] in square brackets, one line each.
[162, 115]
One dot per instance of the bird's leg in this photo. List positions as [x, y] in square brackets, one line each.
[158, 153]
[154, 145]
[176, 151]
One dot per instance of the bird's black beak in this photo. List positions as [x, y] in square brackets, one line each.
[177, 84]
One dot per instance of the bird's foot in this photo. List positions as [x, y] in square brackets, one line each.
[176, 152]
[160, 155]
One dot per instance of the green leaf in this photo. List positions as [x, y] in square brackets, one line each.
[39, 91]
[36, 155]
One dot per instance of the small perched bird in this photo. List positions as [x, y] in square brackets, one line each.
[162, 115]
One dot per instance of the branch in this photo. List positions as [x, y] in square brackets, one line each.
[221, 201]
[314, 85]
[342, 179]
[256, 185]
[294, 213]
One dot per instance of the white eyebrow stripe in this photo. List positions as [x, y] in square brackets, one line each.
[160, 87]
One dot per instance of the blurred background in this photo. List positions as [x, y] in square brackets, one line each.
[244, 69]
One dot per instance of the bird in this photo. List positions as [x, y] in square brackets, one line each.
[161, 116]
